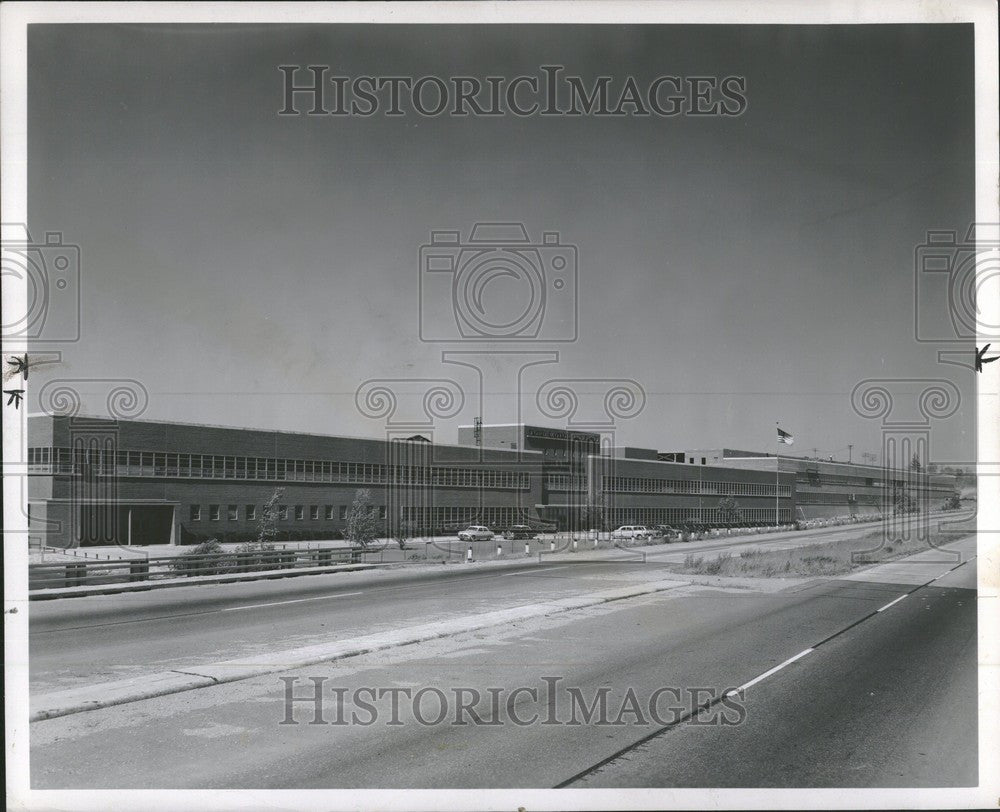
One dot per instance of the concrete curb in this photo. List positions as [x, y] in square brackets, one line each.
[195, 580]
[108, 694]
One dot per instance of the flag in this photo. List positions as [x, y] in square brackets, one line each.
[785, 437]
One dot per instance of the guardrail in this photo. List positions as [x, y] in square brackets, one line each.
[49, 576]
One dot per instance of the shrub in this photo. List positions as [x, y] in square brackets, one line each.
[953, 502]
[254, 556]
[207, 558]
[714, 567]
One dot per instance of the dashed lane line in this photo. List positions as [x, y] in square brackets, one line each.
[769, 672]
[893, 603]
[707, 705]
[295, 600]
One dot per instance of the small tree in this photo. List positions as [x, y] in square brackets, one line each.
[267, 524]
[729, 510]
[362, 522]
[903, 501]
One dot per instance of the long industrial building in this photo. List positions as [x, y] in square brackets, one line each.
[825, 488]
[99, 481]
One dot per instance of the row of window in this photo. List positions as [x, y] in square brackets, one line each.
[496, 517]
[654, 516]
[911, 479]
[251, 512]
[565, 482]
[629, 484]
[210, 466]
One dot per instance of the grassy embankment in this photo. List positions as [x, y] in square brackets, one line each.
[829, 558]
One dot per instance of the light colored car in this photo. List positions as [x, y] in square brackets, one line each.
[475, 532]
[632, 531]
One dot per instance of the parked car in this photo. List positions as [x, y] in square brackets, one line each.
[632, 531]
[475, 532]
[519, 531]
[667, 532]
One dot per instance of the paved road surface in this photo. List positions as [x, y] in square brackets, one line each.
[888, 702]
[101, 638]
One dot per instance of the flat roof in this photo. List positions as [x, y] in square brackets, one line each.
[268, 431]
[687, 466]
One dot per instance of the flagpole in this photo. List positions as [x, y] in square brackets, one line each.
[777, 465]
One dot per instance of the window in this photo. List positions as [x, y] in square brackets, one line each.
[691, 460]
[251, 512]
[283, 512]
[195, 513]
[381, 512]
[314, 512]
[328, 514]
[343, 512]
[213, 512]
[702, 460]
[233, 513]
[300, 512]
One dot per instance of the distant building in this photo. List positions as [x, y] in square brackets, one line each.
[585, 486]
[830, 488]
[98, 481]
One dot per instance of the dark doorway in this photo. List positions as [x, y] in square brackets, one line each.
[151, 524]
[103, 525]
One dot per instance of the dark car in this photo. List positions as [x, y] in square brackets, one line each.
[667, 532]
[519, 531]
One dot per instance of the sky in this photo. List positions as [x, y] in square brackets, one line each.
[252, 269]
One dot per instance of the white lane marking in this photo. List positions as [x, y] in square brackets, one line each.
[766, 674]
[532, 572]
[891, 603]
[296, 600]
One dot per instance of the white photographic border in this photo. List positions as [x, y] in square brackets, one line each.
[14, 19]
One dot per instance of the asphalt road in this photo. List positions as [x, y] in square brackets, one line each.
[102, 638]
[81, 641]
[890, 701]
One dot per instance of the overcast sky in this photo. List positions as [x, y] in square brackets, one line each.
[253, 270]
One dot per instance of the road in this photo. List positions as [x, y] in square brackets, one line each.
[890, 701]
[101, 638]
